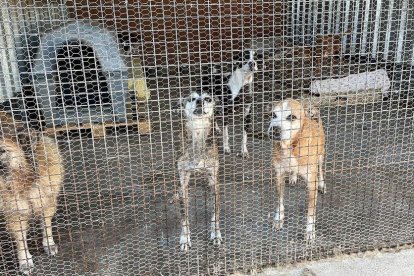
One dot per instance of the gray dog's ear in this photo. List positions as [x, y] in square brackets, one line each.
[216, 100]
[268, 108]
[178, 105]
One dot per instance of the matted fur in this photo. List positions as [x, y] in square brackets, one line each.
[30, 181]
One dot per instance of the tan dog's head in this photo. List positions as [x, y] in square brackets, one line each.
[288, 117]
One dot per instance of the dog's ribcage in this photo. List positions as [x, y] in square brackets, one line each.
[199, 145]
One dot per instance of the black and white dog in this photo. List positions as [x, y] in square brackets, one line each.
[234, 96]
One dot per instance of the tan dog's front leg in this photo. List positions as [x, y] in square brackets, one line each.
[185, 241]
[48, 243]
[280, 210]
[18, 227]
[215, 235]
[321, 179]
[312, 197]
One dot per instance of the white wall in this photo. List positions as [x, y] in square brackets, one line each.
[382, 29]
[9, 73]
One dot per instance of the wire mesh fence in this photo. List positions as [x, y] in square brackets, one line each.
[125, 90]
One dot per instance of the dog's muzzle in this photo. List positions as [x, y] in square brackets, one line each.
[275, 133]
[198, 110]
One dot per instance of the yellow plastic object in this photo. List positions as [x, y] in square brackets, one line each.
[140, 87]
[138, 83]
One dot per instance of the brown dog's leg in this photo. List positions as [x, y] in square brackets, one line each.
[185, 241]
[280, 211]
[18, 225]
[48, 243]
[215, 235]
[312, 197]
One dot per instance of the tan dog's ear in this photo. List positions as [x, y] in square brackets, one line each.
[311, 109]
[313, 112]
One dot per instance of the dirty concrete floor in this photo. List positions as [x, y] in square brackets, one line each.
[368, 264]
[117, 214]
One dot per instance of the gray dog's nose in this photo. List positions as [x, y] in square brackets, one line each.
[199, 107]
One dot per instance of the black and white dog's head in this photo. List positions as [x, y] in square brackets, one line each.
[198, 106]
[243, 74]
[228, 84]
[247, 61]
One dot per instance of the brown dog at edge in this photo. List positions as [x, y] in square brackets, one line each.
[31, 175]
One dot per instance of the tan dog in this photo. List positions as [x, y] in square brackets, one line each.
[298, 148]
[31, 174]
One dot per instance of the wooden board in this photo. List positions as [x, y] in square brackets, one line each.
[99, 130]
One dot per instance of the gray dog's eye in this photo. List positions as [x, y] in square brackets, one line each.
[207, 99]
[193, 99]
[291, 117]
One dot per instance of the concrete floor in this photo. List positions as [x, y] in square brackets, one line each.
[117, 215]
[368, 264]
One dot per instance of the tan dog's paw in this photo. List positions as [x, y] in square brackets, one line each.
[279, 218]
[185, 242]
[310, 232]
[185, 239]
[322, 187]
[216, 237]
[51, 249]
[244, 154]
[277, 224]
[293, 178]
[310, 236]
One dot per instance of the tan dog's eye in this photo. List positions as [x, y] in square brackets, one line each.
[274, 116]
[207, 99]
[291, 117]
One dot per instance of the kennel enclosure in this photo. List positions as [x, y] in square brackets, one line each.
[118, 213]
